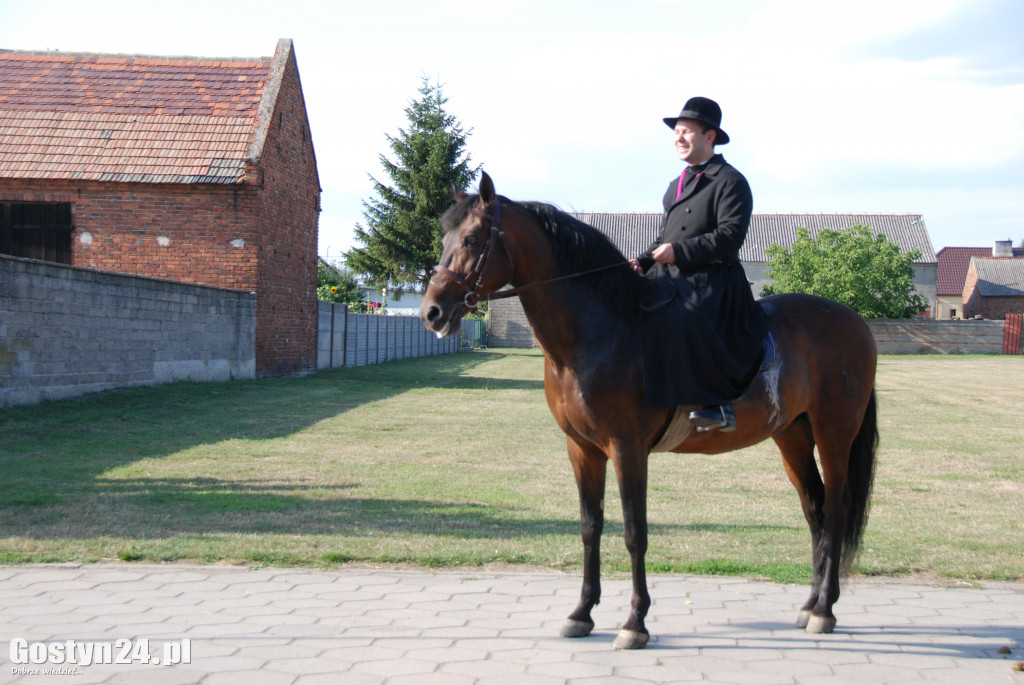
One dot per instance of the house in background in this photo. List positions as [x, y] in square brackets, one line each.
[994, 288]
[190, 169]
[384, 302]
[634, 233]
[953, 263]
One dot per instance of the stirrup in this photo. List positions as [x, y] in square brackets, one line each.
[721, 418]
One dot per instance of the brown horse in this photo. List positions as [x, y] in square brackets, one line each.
[582, 301]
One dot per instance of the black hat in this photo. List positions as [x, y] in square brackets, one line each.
[705, 111]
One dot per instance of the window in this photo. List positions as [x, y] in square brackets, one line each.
[952, 312]
[36, 230]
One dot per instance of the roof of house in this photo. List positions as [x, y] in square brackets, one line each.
[1002, 277]
[631, 233]
[953, 265]
[134, 118]
[634, 233]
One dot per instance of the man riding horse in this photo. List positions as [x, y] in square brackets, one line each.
[711, 358]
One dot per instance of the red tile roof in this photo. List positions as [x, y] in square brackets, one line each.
[953, 263]
[130, 118]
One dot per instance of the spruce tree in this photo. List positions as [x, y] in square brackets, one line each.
[401, 239]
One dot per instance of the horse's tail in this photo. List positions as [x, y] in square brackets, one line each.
[860, 476]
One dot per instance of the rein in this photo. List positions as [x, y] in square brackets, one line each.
[472, 283]
[511, 292]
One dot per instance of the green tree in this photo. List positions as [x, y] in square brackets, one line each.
[866, 272]
[336, 284]
[401, 239]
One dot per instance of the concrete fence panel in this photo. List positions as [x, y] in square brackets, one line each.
[348, 339]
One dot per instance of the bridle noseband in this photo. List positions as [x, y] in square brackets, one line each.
[474, 280]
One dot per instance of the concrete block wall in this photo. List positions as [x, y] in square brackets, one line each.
[928, 336]
[67, 331]
[507, 325]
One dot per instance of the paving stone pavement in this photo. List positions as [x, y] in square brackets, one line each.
[223, 625]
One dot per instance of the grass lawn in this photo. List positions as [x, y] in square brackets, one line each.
[455, 461]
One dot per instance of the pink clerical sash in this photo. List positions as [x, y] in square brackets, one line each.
[682, 181]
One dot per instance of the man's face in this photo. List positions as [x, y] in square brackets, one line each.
[694, 146]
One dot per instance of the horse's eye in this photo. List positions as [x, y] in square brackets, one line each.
[469, 241]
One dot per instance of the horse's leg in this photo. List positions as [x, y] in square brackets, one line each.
[590, 466]
[797, 446]
[834, 441]
[631, 470]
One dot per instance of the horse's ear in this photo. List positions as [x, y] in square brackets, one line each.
[486, 190]
[457, 193]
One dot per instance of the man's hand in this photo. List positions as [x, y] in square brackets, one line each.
[664, 254]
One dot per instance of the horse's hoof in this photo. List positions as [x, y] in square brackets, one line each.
[574, 628]
[803, 619]
[630, 639]
[821, 624]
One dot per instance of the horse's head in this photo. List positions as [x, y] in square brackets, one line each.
[475, 261]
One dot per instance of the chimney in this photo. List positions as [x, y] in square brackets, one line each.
[1003, 248]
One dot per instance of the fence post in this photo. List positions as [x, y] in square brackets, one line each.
[367, 318]
[344, 335]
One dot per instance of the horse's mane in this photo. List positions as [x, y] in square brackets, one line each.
[577, 247]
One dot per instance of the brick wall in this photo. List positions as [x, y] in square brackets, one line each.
[993, 307]
[67, 331]
[289, 212]
[191, 233]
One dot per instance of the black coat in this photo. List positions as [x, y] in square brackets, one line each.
[705, 348]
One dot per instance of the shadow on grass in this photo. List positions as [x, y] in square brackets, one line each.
[58, 451]
[155, 508]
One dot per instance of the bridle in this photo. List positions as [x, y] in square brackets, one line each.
[473, 281]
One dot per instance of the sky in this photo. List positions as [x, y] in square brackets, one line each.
[838, 106]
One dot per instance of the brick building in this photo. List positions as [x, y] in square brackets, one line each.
[994, 288]
[953, 263]
[198, 170]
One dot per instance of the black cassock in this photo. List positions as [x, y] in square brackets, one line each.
[704, 333]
